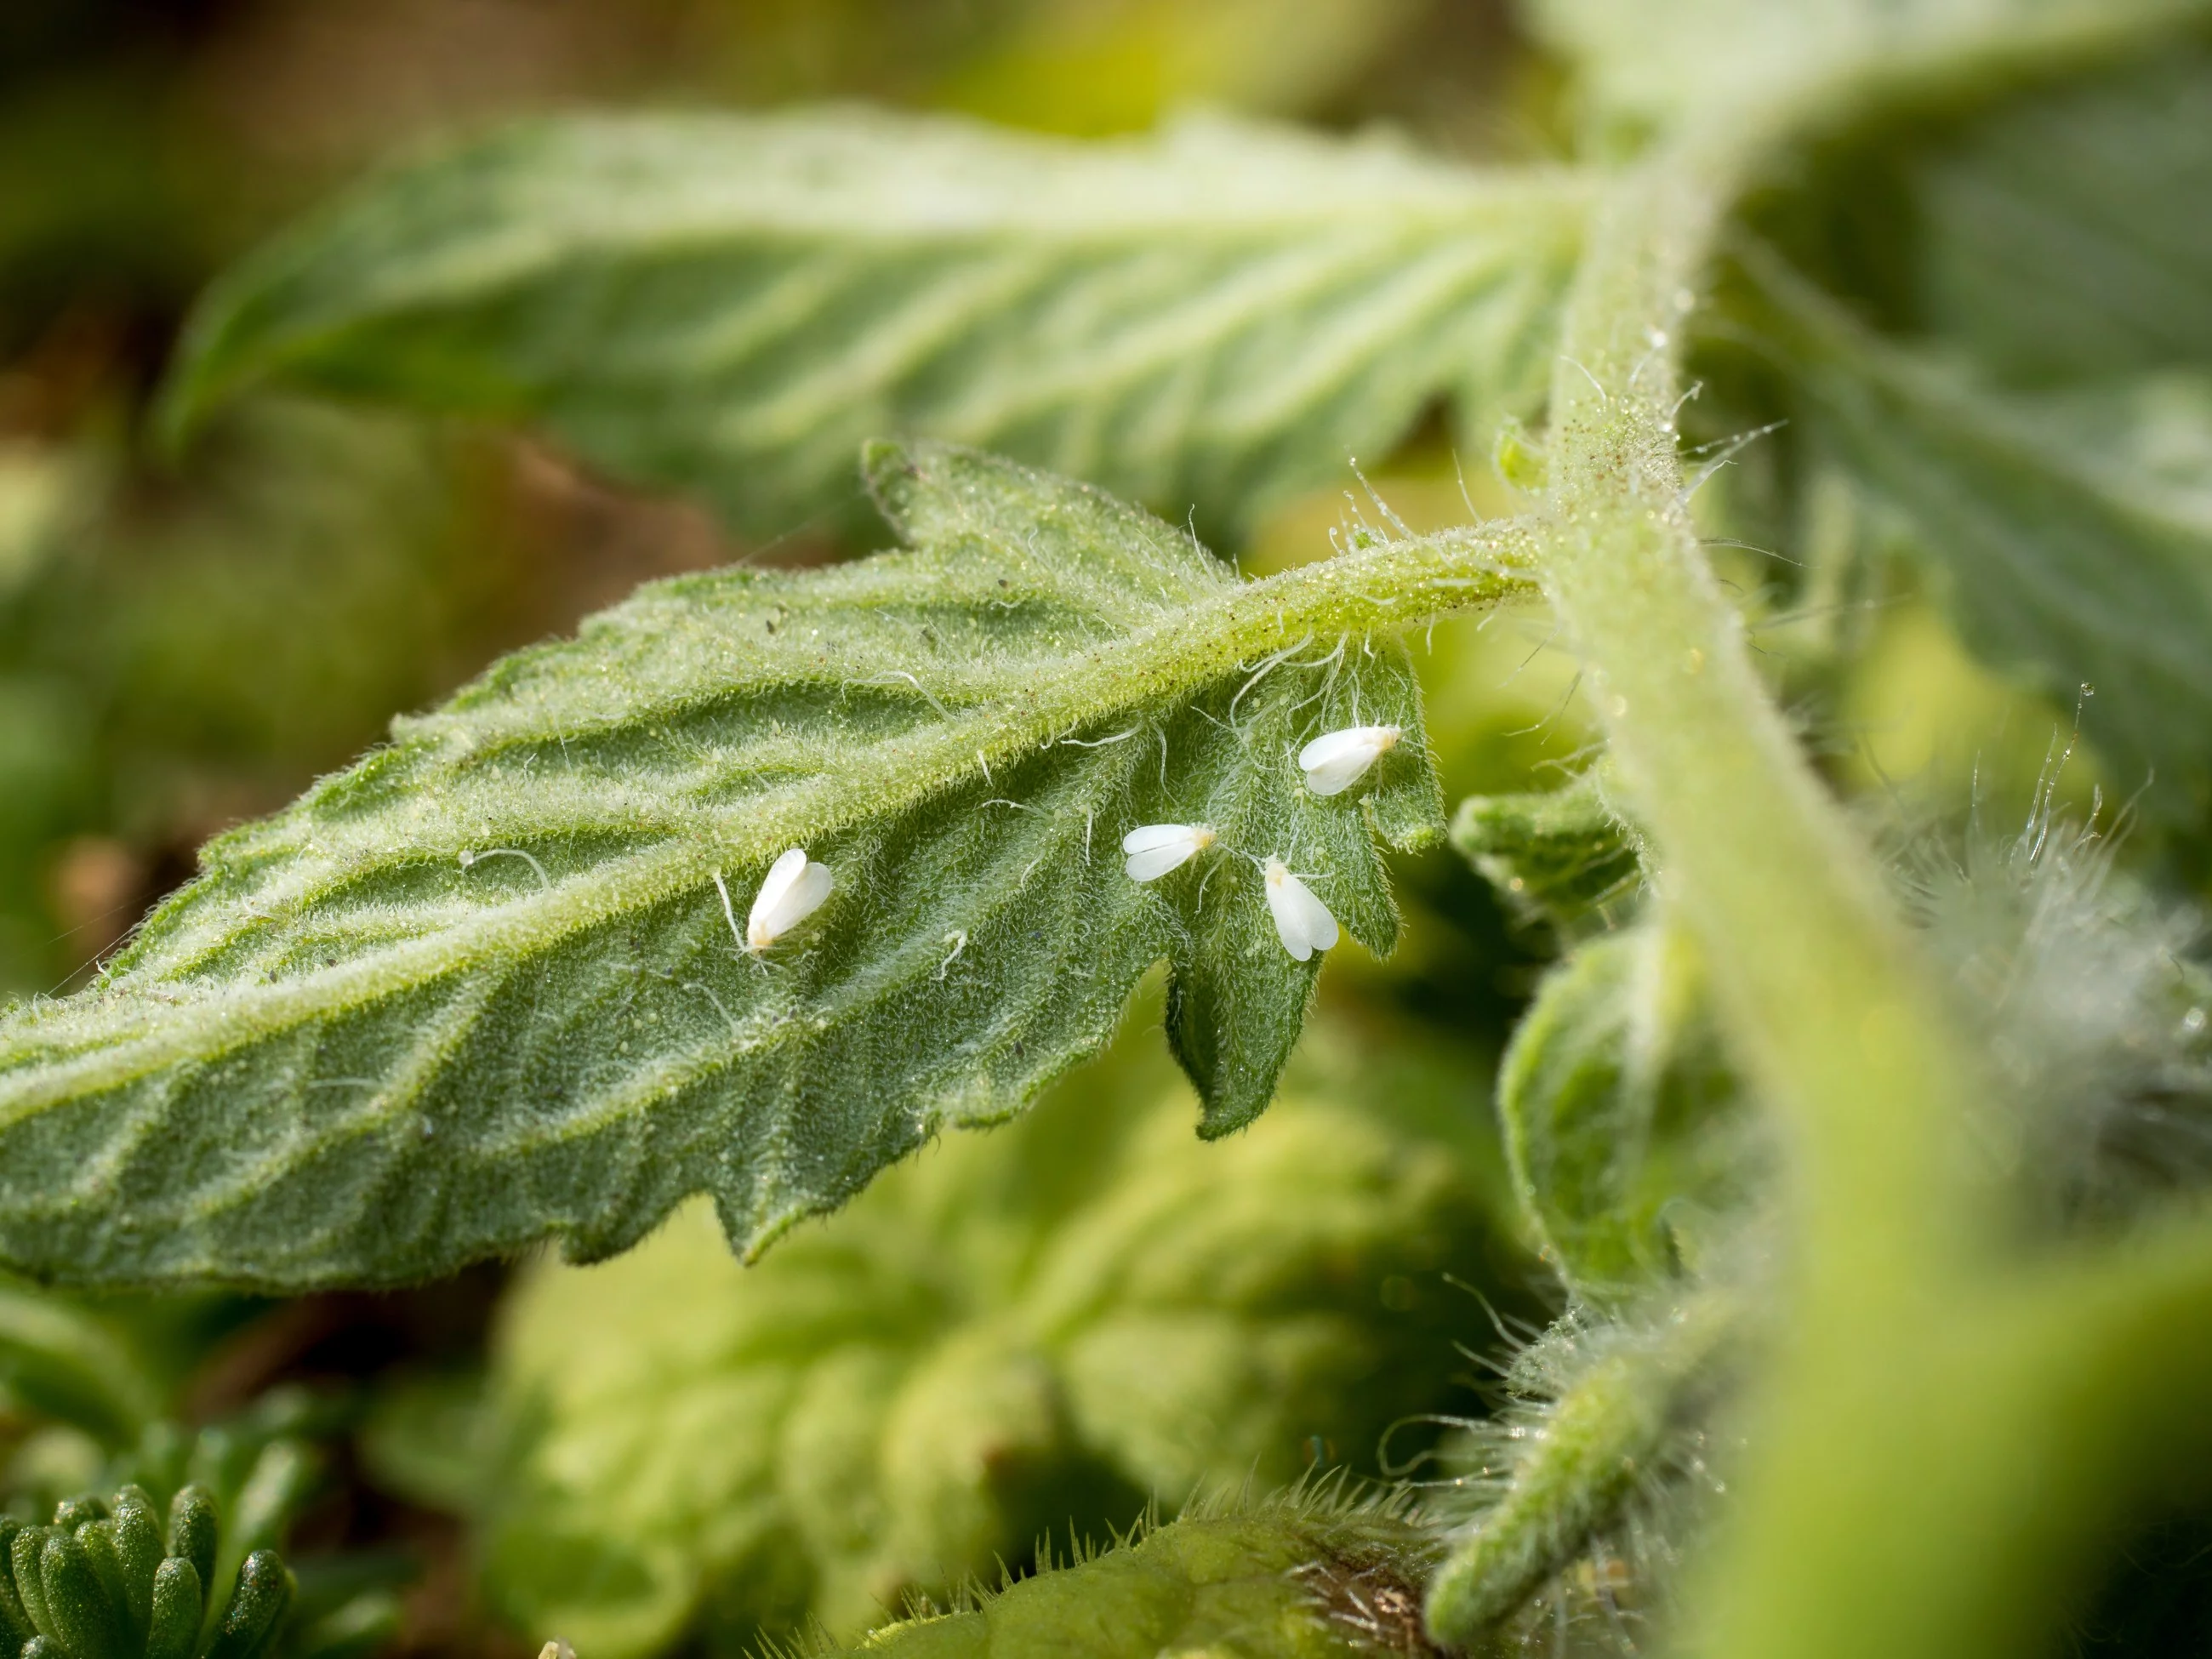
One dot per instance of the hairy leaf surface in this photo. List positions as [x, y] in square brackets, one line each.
[1559, 856]
[1610, 1096]
[486, 986]
[729, 305]
[1290, 1580]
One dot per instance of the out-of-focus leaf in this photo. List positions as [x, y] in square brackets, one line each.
[1559, 856]
[486, 987]
[2058, 237]
[729, 305]
[1125, 66]
[1277, 1583]
[1614, 1098]
[2091, 992]
[2070, 535]
[426, 1438]
[72, 1366]
[1653, 64]
[47, 492]
[1024, 1331]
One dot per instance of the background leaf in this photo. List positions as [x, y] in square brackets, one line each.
[483, 988]
[1558, 856]
[729, 305]
[1642, 65]
[1028, 1331]
[1614, 1100]
[2070, 533]
[2054, 237]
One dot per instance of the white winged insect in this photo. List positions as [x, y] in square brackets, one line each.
[1335, 761]
[1156, 849]
[793, 890]
[1301, 921]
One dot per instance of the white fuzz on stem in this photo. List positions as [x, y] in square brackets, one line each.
[1156, 849]
[793, 890]
[1301, 921]
[1336, 760]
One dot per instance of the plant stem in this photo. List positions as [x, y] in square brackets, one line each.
[1581, 1457]
[1836, 1020]
[1822, 992]
[1965, 1483]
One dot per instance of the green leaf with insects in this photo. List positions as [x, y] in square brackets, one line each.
[728, 305]
[488, 986]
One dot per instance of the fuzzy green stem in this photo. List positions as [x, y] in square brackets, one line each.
[1966, 1486]
[1589, 1449]
[1825, 1000]
[1822, 993]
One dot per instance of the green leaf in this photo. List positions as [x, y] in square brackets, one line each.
[425, 1438]
[1614, 1100]
[69, 1363]
[729, 305]
[1281, 1582]
[485, 988]
[2070, 535]
[2058, 237]
[1644, 65]
[101, 1582]
[1561, 856]
[1029, 1330]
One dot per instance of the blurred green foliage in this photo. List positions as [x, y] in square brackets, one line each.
[1018, 1333]
[1040, 1330]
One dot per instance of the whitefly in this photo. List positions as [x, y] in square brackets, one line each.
[1335, 761]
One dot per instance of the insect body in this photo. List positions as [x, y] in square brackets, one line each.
[1301, 921]
[1156, 849]
[793, 890]
[1335, 761]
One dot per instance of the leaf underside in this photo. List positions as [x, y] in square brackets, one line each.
[2035, 413]
[729, 305]
[481, 988]
[2066, 562]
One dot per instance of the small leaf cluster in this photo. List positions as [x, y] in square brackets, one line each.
[1038, 1329]
[113, 1578]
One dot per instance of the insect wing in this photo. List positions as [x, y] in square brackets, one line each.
[1156, 849]
[1303, 922]
[1154, 862]
[775, 887]
[805, 896]
[1335, 761]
